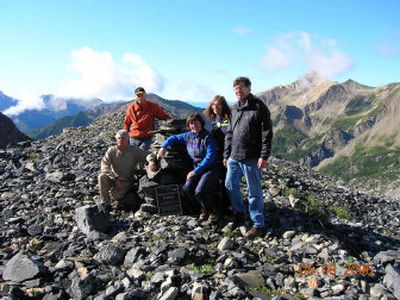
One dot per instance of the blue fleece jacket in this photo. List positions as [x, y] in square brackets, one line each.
[201, 147]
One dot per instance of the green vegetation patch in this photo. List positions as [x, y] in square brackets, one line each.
[347, 123]
[358, 105]
[31, 156]
[266, 290]
[291, 144]
[203, 269]
[317, 208]
[339, 212]
[380, 164]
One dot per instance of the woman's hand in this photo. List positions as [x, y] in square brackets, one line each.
[190, 174]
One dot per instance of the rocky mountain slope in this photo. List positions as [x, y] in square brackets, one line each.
[323, 240]
[9, 133]
[347, 129]
[59, 113]
[84, 118]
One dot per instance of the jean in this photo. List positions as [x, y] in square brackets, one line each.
[202, 188]
[252, 174]
[142, 143]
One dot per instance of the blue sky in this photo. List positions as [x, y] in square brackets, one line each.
[190, 50]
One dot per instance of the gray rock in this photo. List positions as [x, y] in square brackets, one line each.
[20, 267]
[170, 294]
[392, 280]
[225, 244]
[136, 274]
[178, 255]
[251, 278]
[110, 254]
[388, 256]
[200, 291]
[35, 230]
[132, 256]
[289, 234]
[81, 286]
[135, 294]
[88, 218]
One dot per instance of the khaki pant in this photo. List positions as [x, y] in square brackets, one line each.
[107, 190]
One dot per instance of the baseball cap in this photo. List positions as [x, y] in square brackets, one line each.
[140, 90]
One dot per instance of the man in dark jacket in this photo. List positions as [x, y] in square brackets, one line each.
[247, 148]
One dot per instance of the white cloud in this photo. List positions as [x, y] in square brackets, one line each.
[101, 76]
[241, 30]
[27, 99]
[329, 64]
[312, 53]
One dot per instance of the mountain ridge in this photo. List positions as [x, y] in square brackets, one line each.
[319, 122]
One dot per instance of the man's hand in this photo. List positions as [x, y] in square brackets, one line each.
[152, 166]
[225, 162]
[190, 174]
[261, 163]
[162, 152]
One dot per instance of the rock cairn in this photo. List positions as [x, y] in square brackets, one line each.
[169, 177]
[323, 240]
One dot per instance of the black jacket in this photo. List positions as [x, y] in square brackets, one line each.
[249, 134]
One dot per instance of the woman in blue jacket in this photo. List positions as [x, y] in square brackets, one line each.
[202, 181]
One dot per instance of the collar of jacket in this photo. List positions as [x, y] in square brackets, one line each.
[203, 132]
[248, 102]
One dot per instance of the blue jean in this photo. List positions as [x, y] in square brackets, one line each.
[248, 168]
[202, 188]
[142, 143]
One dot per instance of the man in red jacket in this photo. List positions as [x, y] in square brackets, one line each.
[139, 119]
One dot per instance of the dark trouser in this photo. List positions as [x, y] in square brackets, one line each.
[202, 188]
[142, 143]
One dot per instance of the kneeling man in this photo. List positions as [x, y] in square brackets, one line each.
[117, 169]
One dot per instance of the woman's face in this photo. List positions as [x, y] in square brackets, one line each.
[217, 108]
[195, 126]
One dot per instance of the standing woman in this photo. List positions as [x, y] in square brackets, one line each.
[203, 179]
[219, 113]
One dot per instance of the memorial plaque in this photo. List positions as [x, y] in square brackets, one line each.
[168, 200]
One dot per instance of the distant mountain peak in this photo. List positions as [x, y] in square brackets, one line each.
[350, 84]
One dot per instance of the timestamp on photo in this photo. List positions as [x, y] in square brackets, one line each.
[330, 269]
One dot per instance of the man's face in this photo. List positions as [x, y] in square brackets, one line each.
[140, 97]
[241, 91]
[122, 143]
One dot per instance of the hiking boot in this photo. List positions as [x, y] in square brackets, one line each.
[255, 232]
[213, 218]
[203, 216]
